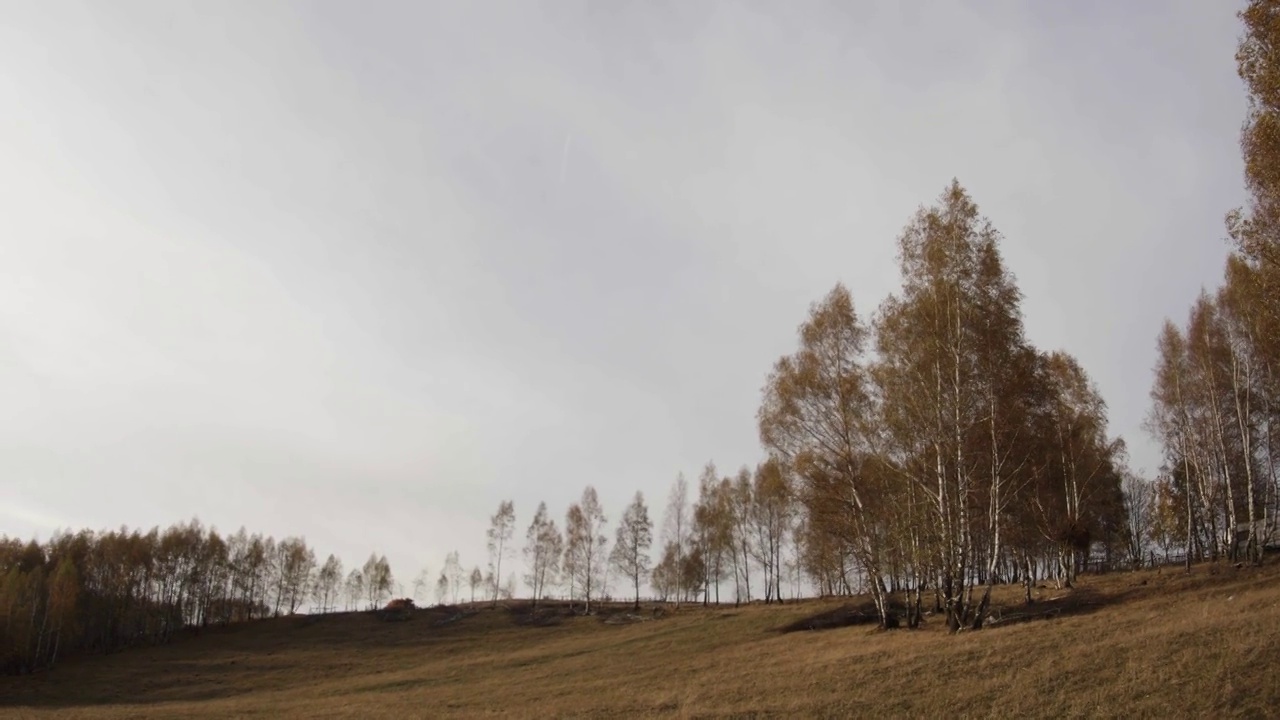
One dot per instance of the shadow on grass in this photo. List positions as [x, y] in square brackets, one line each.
[1070, 602]
[543, 615]
[551, 612]
[848, 615]
[219, 662]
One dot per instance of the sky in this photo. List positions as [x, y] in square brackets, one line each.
[360, 271]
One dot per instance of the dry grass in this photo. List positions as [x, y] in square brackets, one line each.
[1127, 645]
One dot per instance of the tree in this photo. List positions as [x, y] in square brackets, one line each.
[575, 530]
[665, 576]
[476, 580]
[954, 378]
[816, 415]
[585, 547]
[324, 590]
[421, 586]
[104, 591]
[453, 571]
[501, 527]
[675, 524]
[771, 520]
[63, 597]
[252, 571]
[1251, 348]
[354, 589]
[693, 574]
[542, 552]
[1138, 506]
[728, 551]
[378, 580]
[1214, 411]
[297, 561]
[631, 550]
[712, 528]
[442, 588]
[1257, 234]
[1255, 269]
[1085, 464]
[1170, 420]
[1166, 514]
[741, 499]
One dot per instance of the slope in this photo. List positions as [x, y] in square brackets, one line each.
[1139, 644]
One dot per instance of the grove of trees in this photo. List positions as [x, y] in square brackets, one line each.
[103, 591]
[934, 448]
[1216, 394]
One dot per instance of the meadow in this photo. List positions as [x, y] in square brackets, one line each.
[1154, 643]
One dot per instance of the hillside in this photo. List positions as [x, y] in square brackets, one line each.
[1141, 644]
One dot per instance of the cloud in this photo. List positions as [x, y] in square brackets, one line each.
[334, 270]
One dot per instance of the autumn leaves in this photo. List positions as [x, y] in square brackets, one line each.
[1216, 393]
[935, 446]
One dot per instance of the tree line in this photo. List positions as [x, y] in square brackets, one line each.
[103, 591]
[931, 453]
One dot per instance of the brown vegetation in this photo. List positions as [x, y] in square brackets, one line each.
[1145, 644]
[397, 610]
[109, 590]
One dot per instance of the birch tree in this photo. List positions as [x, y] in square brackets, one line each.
[442, 588]
[378, 580]
[586, 544]
[712, 529]
[454, 573]
[771, 521]
[1085, 459]
[631, 548]
[664, 577]
[575, 548]
[327, 583]
[1246, 332]
[816, 415]
[501, 528]
[1170, 421]
[951, 378]
[543, 549]
[1257, 232]
[1166, 513]
[675, 525]
[422, 585]
[741, 500]
[298, 561]
[353, 589]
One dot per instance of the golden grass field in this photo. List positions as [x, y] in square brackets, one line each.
[1130, 645]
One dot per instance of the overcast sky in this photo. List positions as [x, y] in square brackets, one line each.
[359, 271]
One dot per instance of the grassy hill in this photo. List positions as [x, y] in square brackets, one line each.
[1141, 644]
